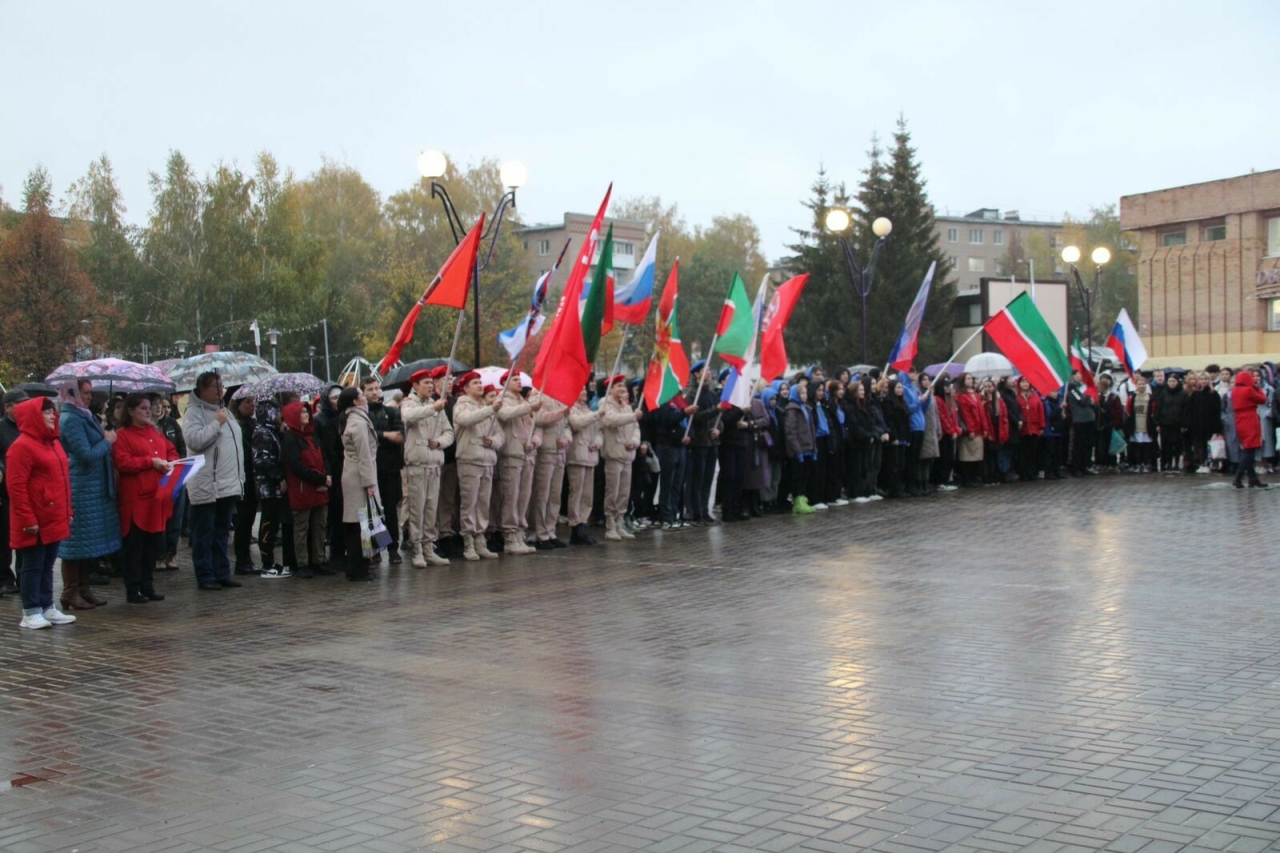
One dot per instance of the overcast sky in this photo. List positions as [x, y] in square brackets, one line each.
[721, 107]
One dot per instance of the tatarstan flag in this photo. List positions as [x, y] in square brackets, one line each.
[595, 311]
[669, 366]
[562, 366]
[737, 326]
[1081, 363]
[1022, 334]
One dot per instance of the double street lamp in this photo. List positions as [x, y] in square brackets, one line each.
[1100, 256]
[513, 174]
[838, 221]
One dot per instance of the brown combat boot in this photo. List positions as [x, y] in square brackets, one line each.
[71, 597]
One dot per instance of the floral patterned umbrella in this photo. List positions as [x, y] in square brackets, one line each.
[113, 374]
[304, 385]
[234, 368]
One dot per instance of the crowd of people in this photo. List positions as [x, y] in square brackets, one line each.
[456, 468]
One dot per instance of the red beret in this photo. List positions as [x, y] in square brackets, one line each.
[616, 379]
[420, 375]
[506, 376]
[437, 372]
[491, 389]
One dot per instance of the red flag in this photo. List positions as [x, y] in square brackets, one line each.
[449, 288]
[773, 350]
[561, 369]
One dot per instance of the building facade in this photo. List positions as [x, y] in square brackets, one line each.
[543, 243]
[978, 242]
[1208, 270]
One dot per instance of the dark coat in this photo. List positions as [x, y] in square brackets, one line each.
[387, 419]
[268, 466]
[95, 524]
[798, 430]
[304, 463]
[1172, 408]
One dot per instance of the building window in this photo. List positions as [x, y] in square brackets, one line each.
[526, 245]
[1273, 236]
[1213, 233]
[975, 236]
[953, 235]
[1273, 315]
[624, 248]
[977, 265]
[955, 262]
[997, 237]
[1173, 238]
[975, 314]
[544, 247]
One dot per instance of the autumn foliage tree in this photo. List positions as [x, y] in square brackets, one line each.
[47, 297]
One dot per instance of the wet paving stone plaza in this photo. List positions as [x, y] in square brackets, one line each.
[1077, 666]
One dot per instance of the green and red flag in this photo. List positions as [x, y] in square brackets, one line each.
[597, 314]
[1081, 363]
[562, 366]
[1021, 333]
[669, 366]
[736, 329]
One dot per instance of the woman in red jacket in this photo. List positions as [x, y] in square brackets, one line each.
[975, 427]
[307, 492]
[39, 508]
[142, 456]
[1032, 405]
[1246, 397]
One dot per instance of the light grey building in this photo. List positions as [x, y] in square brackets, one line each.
[976, 242]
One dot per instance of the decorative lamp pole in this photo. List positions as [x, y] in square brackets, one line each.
[273, 338]
[1100, 256]
[311, 360]
[182, 348]
[837, 222]
[513, 174]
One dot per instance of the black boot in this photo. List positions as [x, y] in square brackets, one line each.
[150, 592]
[135, 595]
[579, 536]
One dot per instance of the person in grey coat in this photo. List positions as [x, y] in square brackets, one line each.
[209, 429]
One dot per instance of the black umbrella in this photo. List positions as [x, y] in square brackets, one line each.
[400, 375]
[37, 389]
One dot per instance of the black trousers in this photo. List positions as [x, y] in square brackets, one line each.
[702, 467]
[894, 470]
[733, 462]
[1029, 458]
[246, 512]
[911, 468]
[1082, 443]
[799, 470]
[6, 553]
[946, 461]
[276, 526]
[357, 563]
[337, 538]
[1170, 447]
[141, 550]
[389, 490]
[1052, 455]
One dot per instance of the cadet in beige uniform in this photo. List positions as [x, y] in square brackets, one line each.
[548, 476]
[519, 448]
[427, 434]
[478, 443]
[621, 438]
[583, 456]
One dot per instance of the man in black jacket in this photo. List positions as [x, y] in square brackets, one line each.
[703, 444]
[390, 430]
[671, 445]
[8, 435]
[330, 441]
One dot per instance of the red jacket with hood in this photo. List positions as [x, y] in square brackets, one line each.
[1246, 397]
[304, 465]
[138, 479]
[39, 479]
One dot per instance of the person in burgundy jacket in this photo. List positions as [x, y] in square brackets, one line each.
[1245, 399]
[39, 480]
[142, 456]
[307, 490]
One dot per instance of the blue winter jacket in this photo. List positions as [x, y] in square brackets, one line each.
[95, 525]
[916, 409]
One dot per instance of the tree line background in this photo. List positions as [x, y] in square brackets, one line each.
[219, 250]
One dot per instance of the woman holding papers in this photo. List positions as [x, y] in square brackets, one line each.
[142, 456]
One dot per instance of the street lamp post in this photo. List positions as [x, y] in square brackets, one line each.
[1100, 256]
[311, 360]
[513, 174]
[273, 338]
[837, 221]
[182, 347]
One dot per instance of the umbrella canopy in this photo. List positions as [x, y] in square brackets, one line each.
[113, 374]
[304, 385]
[493, 376]
[400, 375]
[234, 368]
[37, 389]
[953, 370]
[989, 365]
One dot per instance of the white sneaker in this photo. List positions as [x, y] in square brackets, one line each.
[862, 500]
[277, 572]
[819, 506]
[841, 502]
[35, 620]
[1203, 469]
[57, 617]
[876, 498]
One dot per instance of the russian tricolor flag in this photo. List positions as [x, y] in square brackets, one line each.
[172, 484]
[1126, 344]
[631, 301]
[905, 349]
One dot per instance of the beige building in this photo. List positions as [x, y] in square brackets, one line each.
[975, 308]
[977, 242]
[1208, 270]
[542, 245]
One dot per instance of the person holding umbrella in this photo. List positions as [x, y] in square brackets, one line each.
[95, 525]
[39, 508]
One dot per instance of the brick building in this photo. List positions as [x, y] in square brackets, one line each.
[1208, 270]
[542, 245]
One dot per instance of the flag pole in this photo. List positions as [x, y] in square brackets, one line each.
[952, 358]
[453, 350]
[617, 359]
[702, 380]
